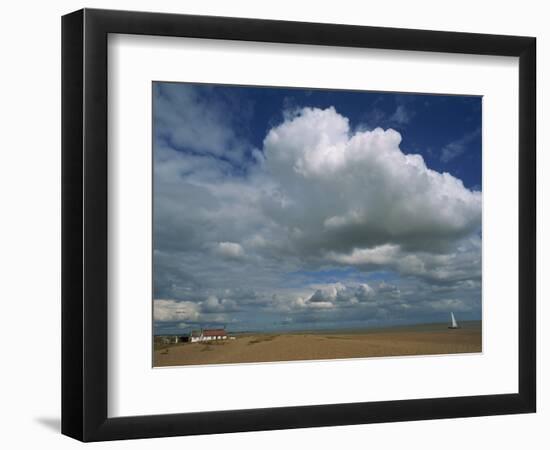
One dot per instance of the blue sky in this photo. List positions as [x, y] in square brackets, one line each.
[279, 208]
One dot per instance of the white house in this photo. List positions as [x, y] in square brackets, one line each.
[205, 335]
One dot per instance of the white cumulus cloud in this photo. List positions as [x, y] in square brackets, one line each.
[338, 190]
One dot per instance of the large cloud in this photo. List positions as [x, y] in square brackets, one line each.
[338, 191]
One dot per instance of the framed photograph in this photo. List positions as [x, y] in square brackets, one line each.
[273, 224]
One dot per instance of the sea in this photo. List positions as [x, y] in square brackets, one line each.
[474, 325]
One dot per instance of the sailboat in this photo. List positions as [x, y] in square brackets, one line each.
[454, 324]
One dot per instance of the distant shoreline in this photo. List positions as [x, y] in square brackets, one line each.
[355, 330]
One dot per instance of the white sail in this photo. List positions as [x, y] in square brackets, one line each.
[453, 320]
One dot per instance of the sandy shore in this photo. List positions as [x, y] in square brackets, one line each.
[316, 346]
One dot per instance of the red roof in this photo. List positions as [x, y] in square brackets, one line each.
[214, 332]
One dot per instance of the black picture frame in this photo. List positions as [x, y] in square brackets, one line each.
[84, 224]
